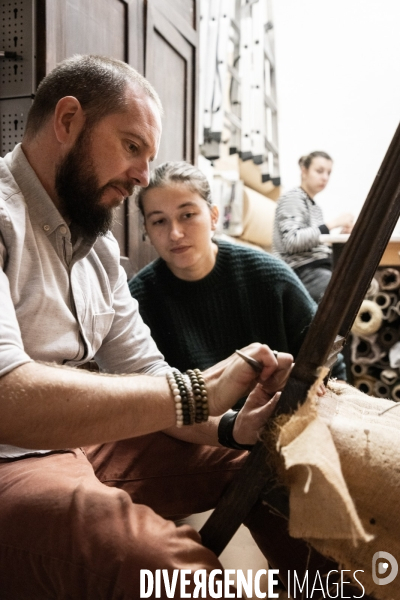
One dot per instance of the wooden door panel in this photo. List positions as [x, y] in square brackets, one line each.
[174, 63]
[170, 65]
[96, 27]
[88, 27]
[185, 9]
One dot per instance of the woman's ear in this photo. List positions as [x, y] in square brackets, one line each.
[214, 217]
[303, 172]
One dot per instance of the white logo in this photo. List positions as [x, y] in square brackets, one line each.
[381, 568]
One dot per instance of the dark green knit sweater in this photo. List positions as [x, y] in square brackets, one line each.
[249, 296]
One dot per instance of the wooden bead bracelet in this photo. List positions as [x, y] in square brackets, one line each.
[190, 396]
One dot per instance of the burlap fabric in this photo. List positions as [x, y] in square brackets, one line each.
[342, 461]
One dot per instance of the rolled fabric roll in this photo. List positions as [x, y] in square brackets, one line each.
[382, 299]
[383, 362]
[382, 390]
[388, 336]
[396, 392]
[258, 218]
[368, 320]
[359, 349]
[359, 370]
[373, 288]
[366, 385]
[389, 376]
[392, 308]
[366, 351]
[395, 309]
[392, 313]
[389, 279]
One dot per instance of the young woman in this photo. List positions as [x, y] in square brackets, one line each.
[203, 299]
[299, 223]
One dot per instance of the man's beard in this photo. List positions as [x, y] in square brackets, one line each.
[78, 189]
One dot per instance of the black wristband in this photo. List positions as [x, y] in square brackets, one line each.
[323, 228]
[225, 432]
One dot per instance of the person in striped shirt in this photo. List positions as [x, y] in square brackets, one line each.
[299, 223]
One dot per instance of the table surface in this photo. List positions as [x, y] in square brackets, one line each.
[391, 256]
[341, 238]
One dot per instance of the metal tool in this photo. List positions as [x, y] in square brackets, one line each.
[256, 364]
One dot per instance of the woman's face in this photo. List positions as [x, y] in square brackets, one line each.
[179, 223]
[315, 178]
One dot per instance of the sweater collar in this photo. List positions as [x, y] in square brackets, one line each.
[306, 195]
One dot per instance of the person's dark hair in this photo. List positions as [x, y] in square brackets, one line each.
[98, 82]
[177, 172]
[305, 161]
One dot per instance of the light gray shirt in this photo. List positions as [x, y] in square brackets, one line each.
[62, 302]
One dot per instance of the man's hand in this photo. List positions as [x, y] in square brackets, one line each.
[233, 378]
[252, 418]
[261, 403]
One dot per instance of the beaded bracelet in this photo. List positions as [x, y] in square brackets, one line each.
[187, 406]
[190, 396]
[200, 395]
[177, 398]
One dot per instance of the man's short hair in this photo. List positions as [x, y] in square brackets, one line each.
[98, 82]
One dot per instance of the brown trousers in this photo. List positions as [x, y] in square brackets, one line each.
[81, 525]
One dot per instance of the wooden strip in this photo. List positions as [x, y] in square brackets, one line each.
[237, 501]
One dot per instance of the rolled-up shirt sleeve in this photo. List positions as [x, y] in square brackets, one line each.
[12, 353]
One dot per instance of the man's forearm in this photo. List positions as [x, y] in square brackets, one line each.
[49, 408]
[45, 407]
[203, 433]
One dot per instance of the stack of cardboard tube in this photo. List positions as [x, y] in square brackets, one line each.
[375, 340]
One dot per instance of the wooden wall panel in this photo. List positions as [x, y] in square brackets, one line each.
[96, 27]
[185, 8]
[173, 144]
[92, 26]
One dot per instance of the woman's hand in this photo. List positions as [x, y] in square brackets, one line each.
[344, 220]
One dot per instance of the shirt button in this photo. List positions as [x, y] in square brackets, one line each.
[63, 230]
[46, 227]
